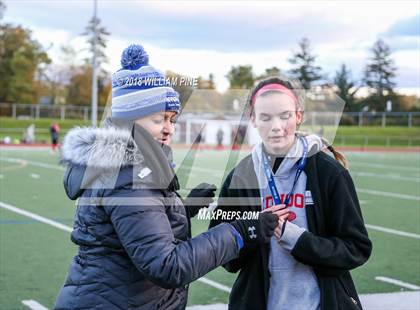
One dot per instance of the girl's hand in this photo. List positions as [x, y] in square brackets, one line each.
[277, 233]
[278, 230]
[281, 211]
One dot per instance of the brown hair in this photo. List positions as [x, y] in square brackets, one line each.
[293, 85]
[337, 155]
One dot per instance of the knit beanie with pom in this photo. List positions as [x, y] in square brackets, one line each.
[138, 89]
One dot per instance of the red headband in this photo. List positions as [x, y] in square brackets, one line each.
[277, 87]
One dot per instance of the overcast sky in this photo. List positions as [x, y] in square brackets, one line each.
[200, 37]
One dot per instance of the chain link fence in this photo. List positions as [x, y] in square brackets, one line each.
[383, 119]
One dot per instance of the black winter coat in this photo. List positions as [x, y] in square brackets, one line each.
[335, 243]
[133, 234]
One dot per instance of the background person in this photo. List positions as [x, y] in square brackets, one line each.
[55, 135]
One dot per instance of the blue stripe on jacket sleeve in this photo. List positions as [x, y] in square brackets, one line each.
[239, 240]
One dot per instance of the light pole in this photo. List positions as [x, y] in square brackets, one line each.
[94, 75]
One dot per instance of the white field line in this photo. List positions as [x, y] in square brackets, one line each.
[33, 163]
[69, 229]
[367, 154]
[208, 307]
[36, 217]
[361, 190]
[216, 172]
[25, 148]
[406, 300]
[388, 176]
[365, 191]
[393, 231]
[396, 301]
[215, 284]
[398, 282]
[387, 194]
[363, 164]
[34, 176]
[382, 166]
[33, 304]
[36, 306]
[203, 279]
[385, 176]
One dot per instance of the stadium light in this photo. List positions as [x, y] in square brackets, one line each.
[94, 75]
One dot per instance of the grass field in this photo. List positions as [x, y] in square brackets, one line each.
[389, 136]
[34, 256]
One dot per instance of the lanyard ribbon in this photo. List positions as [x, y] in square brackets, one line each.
[272, 185]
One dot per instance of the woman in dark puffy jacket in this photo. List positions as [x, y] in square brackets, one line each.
[131, 226]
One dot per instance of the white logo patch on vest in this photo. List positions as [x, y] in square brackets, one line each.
[251, 232]
[308, 198]
[144, 173]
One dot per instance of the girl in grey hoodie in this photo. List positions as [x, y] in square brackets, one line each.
[321, 237]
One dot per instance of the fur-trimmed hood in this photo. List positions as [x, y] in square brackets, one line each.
[99, 158]
[102, 148]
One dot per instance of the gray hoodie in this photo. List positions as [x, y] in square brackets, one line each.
[292, 285]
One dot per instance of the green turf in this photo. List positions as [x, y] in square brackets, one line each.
[34, 260]
[390, 136]
[34, 257]
[15, 128]
[374, 131]
[45, 123]
[393, 256]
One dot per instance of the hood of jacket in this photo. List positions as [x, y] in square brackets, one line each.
[101, 148]
[111, 157]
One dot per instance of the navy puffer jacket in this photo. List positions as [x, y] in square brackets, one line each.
[132, 231]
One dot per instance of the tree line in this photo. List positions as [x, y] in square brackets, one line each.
[378, 79]
[27, 74]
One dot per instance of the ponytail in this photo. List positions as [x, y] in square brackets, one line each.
[337, 155]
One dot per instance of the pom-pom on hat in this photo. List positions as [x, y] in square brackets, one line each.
[138, 89]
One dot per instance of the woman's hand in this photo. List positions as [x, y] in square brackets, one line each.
[257, 231]
[199, 197]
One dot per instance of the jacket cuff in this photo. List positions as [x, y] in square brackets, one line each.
[291, 235]
[239, 240]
